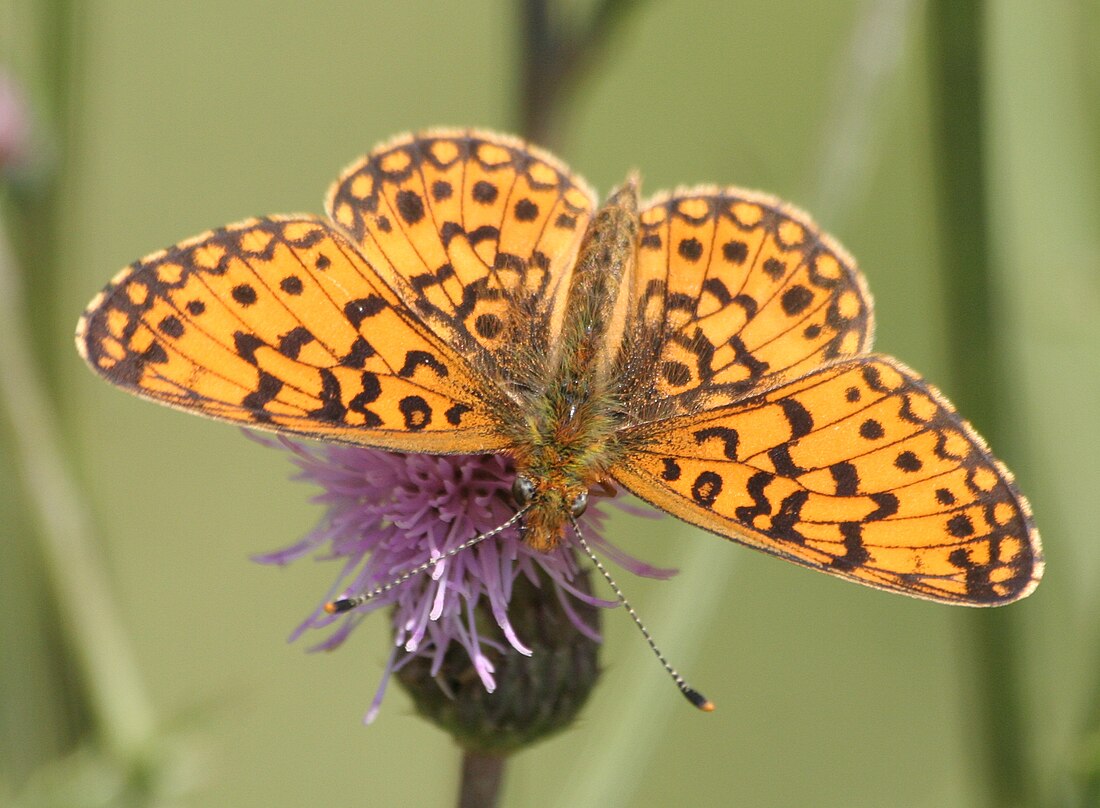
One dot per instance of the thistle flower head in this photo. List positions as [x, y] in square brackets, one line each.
[387, 513]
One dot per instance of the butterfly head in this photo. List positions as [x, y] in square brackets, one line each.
[551, 503]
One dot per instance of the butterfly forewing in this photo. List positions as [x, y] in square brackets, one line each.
[859, 469]
[734, 291]
[476, 232]
[280, 324]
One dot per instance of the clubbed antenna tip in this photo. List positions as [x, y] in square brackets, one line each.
[698, 699]
[340, 605]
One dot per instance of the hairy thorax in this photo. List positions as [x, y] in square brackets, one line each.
[566, 454]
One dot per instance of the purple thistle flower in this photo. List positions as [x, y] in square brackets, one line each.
[388, 513]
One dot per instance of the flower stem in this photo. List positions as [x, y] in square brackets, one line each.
[482, 778]
[36, 208]
[123, 713]
[956, 50]
[556, 55]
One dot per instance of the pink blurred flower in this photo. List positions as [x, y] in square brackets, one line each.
[15, 127]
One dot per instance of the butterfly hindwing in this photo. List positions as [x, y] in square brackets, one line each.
[733, 292]
[278, 323]
[859, 469]
[476, 232]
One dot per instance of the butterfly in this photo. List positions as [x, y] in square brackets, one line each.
[707, 350]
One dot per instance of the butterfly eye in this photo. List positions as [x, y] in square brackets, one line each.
[579, 504]
[523, 489]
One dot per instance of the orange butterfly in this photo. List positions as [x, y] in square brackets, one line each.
[707, 350]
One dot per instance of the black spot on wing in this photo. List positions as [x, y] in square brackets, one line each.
[246, 344]
[796, 299]
[291, 284]
[448, 230]
[565, 221]
[960, 526]
[484, 192]
[676, 374]
[774, 269]
[488, 326]
[292, 342]
[873, 379]
[332, 407]
[154, 354]
[908, 461]
[798, 417]
[735, 251]
[369, 391]
[726, 435]
[510, 262]
[855, 554]
[748, 303]
[356, 311]
[360, 352]
[761, 506]
[266, 390]
[410, 206]
[171, 326]
[706, 488]
[486, 232]
[526, 210]
[714, 286]
[690, 249]
[789, 515]
[846, 477]
[415, 359]
[680, 301]
[244, 294]
[416, 412]
[887, 506]
[454, 414]
[871, 430]
[781, 458]
[426, 280]
[743, 357]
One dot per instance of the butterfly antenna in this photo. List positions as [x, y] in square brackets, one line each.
[341, 605]
[690, 693]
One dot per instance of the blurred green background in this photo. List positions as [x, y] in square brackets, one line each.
[183, 116]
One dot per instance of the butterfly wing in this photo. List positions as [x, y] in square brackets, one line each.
[280, 324]
[476, 232]
[859, 469]
[733, 292]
